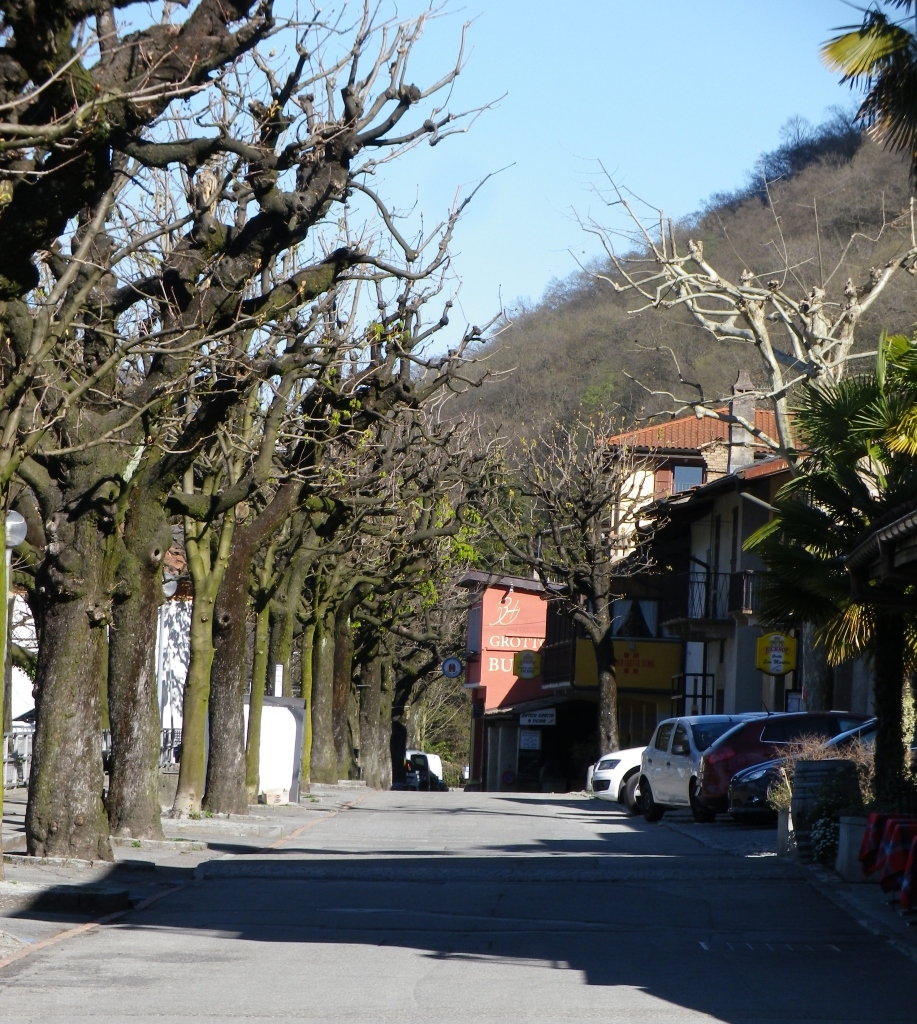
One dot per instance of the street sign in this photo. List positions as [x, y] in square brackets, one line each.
[526, 665]
[776, 654]
[452, 668]
[547, 716]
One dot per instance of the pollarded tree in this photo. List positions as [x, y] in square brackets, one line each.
[169, 192]
[799, 320]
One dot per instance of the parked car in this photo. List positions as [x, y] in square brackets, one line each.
[668, 770]
[759, 741]
[614, 777]
[749, 788]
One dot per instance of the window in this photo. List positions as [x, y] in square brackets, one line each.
[662, 736]
[774, 732]
[686, 477]
[680, 746]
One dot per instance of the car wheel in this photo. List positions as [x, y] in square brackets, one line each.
[628, 795]
[651, 810]
[702, 815]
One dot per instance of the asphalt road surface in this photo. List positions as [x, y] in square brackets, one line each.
[427, 908]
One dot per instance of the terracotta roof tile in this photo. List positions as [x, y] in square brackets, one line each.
[688, 433]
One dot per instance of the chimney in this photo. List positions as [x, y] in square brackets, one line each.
[716, 459]
[742, 441]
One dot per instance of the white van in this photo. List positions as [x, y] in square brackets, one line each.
[434, 769]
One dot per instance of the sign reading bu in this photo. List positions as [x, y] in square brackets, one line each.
[776, 654]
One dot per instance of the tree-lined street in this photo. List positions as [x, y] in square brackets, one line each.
[450, 907]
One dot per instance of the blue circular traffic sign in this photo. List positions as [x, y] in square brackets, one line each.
[452, 668]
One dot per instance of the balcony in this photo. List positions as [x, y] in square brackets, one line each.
[696, 605]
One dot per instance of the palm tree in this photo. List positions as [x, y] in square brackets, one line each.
[858, 472]
[880, 55]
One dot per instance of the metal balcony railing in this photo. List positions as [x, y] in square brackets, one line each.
[695, 595]
[744, 592]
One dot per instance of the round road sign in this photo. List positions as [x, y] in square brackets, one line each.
[452, 668]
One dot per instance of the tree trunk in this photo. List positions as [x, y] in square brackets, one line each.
[343, 681]
[816, 672]
[323, 762]
[133, 705]
[196, 697]
[66, 816]
[255, 705]
[889, 684]
[608, 695]
[226, 765]
[225, 792]
[374, 729]
[307, 663]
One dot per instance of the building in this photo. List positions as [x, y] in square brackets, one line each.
[685, 634]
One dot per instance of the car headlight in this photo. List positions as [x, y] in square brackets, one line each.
[608, 764]
[755, 775]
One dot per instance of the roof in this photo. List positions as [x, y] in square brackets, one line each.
[690, 433]
[474, 578]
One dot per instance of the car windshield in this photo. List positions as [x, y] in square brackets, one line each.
[705, 733]
[866, 734]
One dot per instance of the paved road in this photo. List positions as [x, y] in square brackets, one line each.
[428, 908]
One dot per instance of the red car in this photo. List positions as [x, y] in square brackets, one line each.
[761, 739]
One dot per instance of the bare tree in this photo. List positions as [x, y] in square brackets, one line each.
[167, 194]
[581, 527]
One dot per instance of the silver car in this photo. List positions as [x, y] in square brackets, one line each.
[668, 769]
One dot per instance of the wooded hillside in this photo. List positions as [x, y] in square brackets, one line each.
[835, 205]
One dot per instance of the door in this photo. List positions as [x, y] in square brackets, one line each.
[679, 768]
[655, 757]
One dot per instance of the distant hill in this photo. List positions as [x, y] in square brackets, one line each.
[574, 352]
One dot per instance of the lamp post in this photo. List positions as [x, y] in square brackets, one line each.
[14, 531]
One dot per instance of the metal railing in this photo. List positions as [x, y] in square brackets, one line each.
[17, 753]
[695, 595]
[744, 592]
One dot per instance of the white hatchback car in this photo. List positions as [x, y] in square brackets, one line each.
[668, 773]
[614, 777]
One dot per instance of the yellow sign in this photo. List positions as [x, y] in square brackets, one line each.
[776, 654]
[639, 664]
[526, 664]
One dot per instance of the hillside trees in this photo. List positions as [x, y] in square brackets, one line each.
[168, 198]
[796, 320]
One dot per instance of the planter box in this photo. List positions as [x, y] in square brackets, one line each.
[850, 836]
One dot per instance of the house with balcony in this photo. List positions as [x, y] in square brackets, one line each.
[709, 590]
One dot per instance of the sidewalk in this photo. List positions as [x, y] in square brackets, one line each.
[41, 898]
[865, 902]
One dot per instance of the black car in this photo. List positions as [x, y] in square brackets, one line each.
[749, 788]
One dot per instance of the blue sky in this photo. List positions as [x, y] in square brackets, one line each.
[677, 98]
